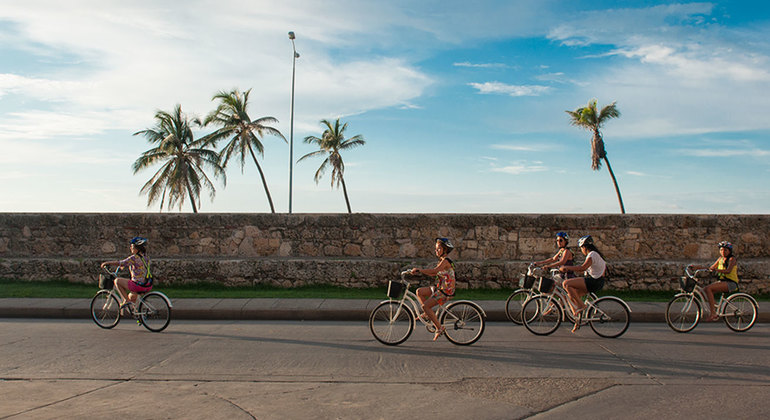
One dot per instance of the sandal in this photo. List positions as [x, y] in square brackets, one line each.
[578, 320]
[439, 333]
[125, 306]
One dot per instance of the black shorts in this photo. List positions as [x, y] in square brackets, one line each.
[594, 285]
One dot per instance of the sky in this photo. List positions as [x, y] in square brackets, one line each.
[462, 104]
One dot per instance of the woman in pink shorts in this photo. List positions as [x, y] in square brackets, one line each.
[139, 266]
[445, 285]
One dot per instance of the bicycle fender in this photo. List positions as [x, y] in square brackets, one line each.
[163, 296]
[746, 295]
[455, 302]
[622, 302]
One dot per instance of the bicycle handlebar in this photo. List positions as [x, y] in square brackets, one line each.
[695, 274]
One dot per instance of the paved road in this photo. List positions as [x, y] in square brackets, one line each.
[288, 369]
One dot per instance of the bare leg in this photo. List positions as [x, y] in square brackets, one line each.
[122, 286]
[427, 308]
[576, 288]
[718, 287]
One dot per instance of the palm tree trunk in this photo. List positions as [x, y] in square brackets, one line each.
[264, 182]
[192, 200]
[615, 182]
[345, 191]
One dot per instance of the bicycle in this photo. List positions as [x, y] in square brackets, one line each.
[530, 284]
[151, 309]
[392, 321]
[738, 310]
[608, 316]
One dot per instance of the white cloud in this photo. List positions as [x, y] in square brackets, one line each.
[512, 90]
[522, 147]
[520, 167]
[480, 65]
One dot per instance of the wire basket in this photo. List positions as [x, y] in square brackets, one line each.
[105, 281]
[395, 288]
[526, 282]
[687, 284]
[546, 285]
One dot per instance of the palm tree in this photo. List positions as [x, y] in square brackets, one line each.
[587, 117]
[184, 160]
[244, 134]
[332, 142]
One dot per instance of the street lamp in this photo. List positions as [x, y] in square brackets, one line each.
[291, 129]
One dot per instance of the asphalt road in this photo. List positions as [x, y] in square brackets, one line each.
[299, 370]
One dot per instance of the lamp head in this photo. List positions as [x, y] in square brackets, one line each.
[291, 35]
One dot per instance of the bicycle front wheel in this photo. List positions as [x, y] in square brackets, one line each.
[154, 312]
[542, 314]
[514, 304]
[391, 323]
[105, 309]
[609, 317]
[683, 313]
[464, 323]
[740, 312]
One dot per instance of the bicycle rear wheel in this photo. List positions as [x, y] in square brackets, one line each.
[683, 313]
[740, 312]
[105, 309]
[609, 317]
[542, 314]
[391, 323]
[154, 312]
[514, 303]
[464, 323]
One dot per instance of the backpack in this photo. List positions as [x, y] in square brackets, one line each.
[148, 278]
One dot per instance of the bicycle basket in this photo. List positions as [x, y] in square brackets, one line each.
[546, 285]
[687, 284]
[105, 281]
[394, 289]
[526, 282]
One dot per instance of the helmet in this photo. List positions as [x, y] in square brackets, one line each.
[446, 243]
[586, 240]
[725, 244]
[138, 240]
[563, 235]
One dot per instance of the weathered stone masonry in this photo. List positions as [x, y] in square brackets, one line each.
[362, 250]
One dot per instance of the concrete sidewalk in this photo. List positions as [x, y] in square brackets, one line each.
[282, 309]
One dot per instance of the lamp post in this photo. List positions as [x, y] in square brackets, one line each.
[291, 125]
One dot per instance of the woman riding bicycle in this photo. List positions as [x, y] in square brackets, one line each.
[726, 267]
[562, 258]
[594, 267]
[139, 265]
[443, 290]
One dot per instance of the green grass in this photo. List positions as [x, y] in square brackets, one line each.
[64, 289]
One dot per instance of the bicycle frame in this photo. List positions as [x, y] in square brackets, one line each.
[416, 309]
[699, 293]
[139, 296]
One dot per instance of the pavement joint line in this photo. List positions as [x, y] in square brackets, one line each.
[71, 397]
[634, 367]
[590, 394]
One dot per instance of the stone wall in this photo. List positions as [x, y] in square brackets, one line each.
[361, 250]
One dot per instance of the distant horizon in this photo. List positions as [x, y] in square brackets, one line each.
[463, 110]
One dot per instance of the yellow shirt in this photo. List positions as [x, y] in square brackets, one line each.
[731, 275]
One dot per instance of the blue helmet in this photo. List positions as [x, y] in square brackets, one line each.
[447, 244]
[563, 235]
[725, 244]
[138, 240]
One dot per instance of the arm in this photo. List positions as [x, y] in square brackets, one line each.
[442, 265]
[547, 261]
[562, 261]
[583, 267]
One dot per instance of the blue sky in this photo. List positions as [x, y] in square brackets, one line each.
[461, 104]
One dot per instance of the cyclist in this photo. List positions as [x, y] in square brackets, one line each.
[563, 257]
[594, 267]
[139, 266]
[443, 290]
[726, 267]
